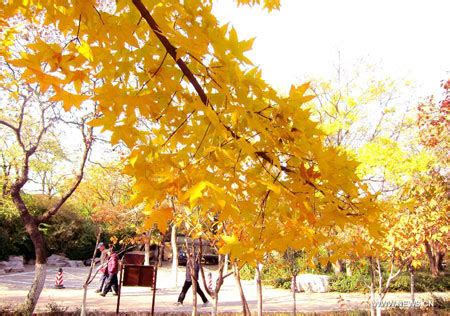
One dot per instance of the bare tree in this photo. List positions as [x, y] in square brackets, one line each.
[32, 118]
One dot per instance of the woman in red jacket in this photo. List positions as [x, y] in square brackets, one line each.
[113, 269]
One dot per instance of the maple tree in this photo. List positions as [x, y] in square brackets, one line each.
[200, 123]
[430, 190]
[393, 164]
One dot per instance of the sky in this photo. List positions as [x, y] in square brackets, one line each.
[408, 39]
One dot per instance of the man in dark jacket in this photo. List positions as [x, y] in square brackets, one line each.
[188, 282]
[113, 269]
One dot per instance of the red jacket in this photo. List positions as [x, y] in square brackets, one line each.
[113, 263]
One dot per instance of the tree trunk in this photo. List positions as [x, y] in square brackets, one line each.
[432, 259]
[225, 267]
[245, 308]
[294, 290]
[380, 288]
[440, 261]
[337, 267]
[40, 271]
[194, 293]
[173, 241]
[259, 287]
[348, 267]
[190, 264]
[215, 307]
[146, 253]
[218, 285]
[372, 288]
[88, 279]
[378, 309]
[411, 274]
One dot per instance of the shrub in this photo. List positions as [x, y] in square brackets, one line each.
[4, 245]
[247, 272]
[423, 282]
[358, 282]
[282, 283]
[401, 283]
[14, 240]
[68, 232]
[77, 232]
[56, 309]
[272, 272]
[7, 309]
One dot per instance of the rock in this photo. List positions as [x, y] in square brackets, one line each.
[15, 258]
[313, 283]
[14, 264]
[2, 272]
[58, 261]
[75, 263]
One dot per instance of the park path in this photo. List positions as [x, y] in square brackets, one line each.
[13, 290]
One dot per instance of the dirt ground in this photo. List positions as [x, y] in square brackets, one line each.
[14, 287]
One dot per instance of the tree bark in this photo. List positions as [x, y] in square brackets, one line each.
[40, 267]
[294, 290]
[190, 264]
[89, 279]
[372, 288]
[146, 250]
[40, 274]
[225, 267]
[173, 241]
[259, 288]
[411, 274]
[432, 259]
[39, 248]
[214, 292]
[245, 308]
[215, 308]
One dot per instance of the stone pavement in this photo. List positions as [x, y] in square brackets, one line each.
[14, 287]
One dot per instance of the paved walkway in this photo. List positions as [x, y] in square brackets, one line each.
[14, 287]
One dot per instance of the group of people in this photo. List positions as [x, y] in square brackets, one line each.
[109, 268]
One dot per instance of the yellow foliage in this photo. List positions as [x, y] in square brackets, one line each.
[215, 137]
[158, 216]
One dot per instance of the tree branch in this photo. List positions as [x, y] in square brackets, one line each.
[87, 139]
[187, 72]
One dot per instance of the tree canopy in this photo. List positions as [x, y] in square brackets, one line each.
[200, 123]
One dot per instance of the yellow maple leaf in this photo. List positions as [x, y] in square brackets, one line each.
[230, 245]
[85, 50]
[159, 217]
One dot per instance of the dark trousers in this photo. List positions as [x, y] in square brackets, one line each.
[103, 278]
[111, 282]
[186, 286]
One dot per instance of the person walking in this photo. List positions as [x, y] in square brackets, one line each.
[188, 282]
[103, 260]
[113, 269]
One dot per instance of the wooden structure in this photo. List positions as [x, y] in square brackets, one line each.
[134, 273]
